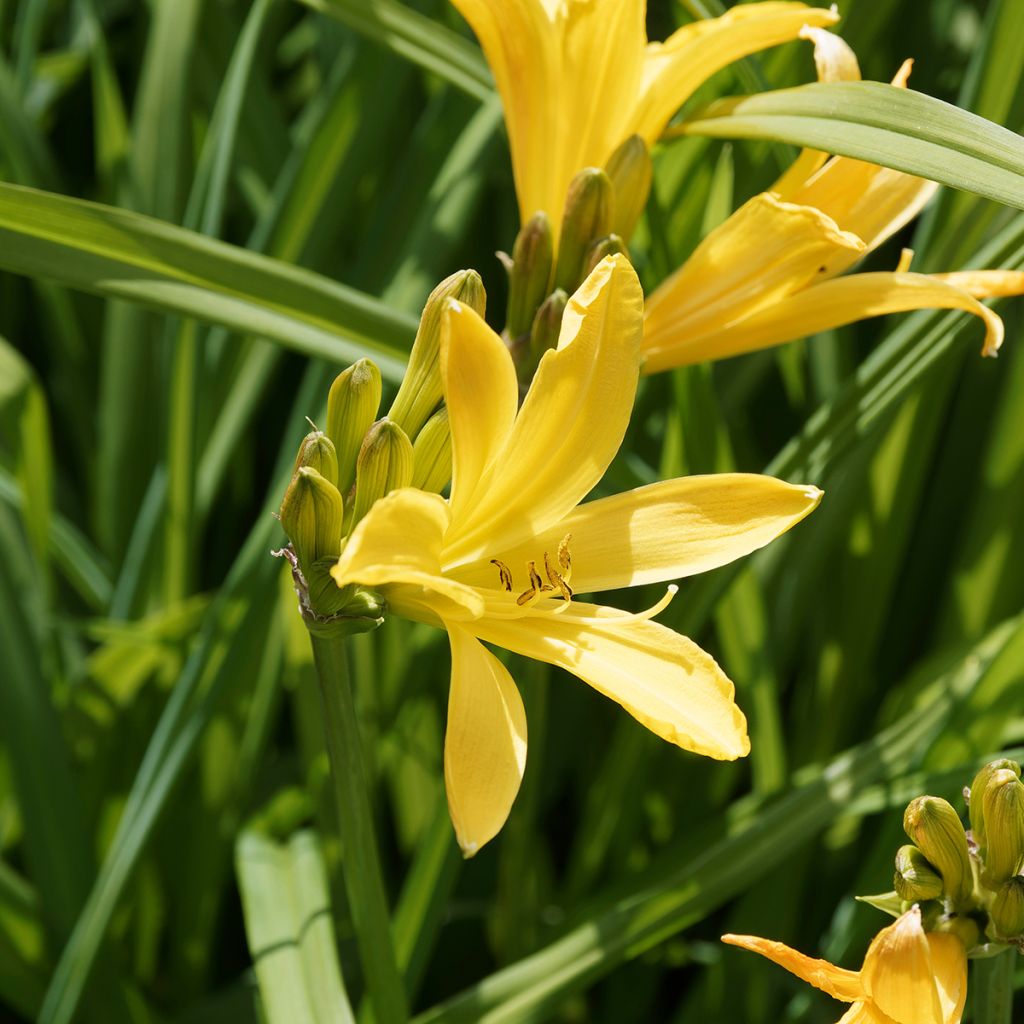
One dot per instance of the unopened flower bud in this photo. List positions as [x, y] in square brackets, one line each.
[1007, 909]
[317, 452]
[588, 216]
[630, 172]
[915, 879]
[938, 833]
[607, 246]
[965, 928]
[312, 515]
[352, 406]
[384, 465]
[1003, 808]
[529, 273]
[976, 804]
[432, 454]
[547, 325]
[420, 392]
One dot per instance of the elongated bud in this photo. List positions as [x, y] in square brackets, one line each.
[547, 324]
[530, 274]
[1007, 909]
[317, 452]
[976, 804]
[915, 879]
[630, 172]
[420, 392]
[384, 465]
[432, 454]
[938, 833]
[1003, 808]
[352, 406]
[312, 514]
[588, 217]
[607, 246]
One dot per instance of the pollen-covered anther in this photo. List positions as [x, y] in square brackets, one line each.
[504, 574]
[537, 586]
[558, 581]
[564, 558]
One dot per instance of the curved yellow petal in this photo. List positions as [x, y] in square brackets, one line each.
[832, 304]
[865, 1013]
[521, 40]
[764, 252]
[485, 742]
[898, 975]
[673, 70]
[837, 982]
[664, 531]
[481, 394]
[985, 284]
[949, 969]
[570, 425]
[399, 542]
[662, 679]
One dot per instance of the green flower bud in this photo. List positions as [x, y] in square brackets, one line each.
[432, 454]
[317, 452]
[938, 833]
[976, 804]
[915, 879]
[1003, 809]
[630, 172]
[588, 216]
[384, 465]
[547, 326]
[965, 928]
[351, 407]
[529, 273]
[1007, 909]
[420, 392]
[312, 515]
[607, 246]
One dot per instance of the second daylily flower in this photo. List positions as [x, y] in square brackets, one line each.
[501, 560]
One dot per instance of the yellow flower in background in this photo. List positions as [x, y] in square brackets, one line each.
[909, 976]
[578, 77]
[770, 273]
[500, 561]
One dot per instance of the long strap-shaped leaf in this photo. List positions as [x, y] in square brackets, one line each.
[882, 124]
[125, 255]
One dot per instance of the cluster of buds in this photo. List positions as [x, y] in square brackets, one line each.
[602, 208]
[968, 881]
[360, 457]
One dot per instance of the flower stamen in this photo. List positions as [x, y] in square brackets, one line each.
[504, 574]
[537, 587]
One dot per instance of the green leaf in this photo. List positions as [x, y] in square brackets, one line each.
[417, 38]
[125, 255]
[884, 125]
[287, 910]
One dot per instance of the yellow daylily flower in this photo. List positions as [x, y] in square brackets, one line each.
[578, 77]
[770, 273]
[499, 561]
[909, 976]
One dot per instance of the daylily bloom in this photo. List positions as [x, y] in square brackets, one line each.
[578, 77]
[500, 560]
[770, 272]
[909, 976]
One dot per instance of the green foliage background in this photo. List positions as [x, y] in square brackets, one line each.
[156, 689]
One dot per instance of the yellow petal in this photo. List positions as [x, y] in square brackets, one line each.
[521, 40]
[986, 284]
[763, 253]
[834, 304]
[485, 742]
[673, 70]
[897, 973]
[949, 969]
[399, 542]
[837, 982]
[482, 395]
[664, 531]
[570, 425]
[662, 679]
[865, 1013]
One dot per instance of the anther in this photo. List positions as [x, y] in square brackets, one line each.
[557, 580]
[537, 586]
[504, 574]
[564, 558]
